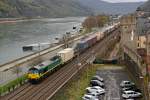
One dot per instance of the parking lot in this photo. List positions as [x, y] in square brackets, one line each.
[112, 77]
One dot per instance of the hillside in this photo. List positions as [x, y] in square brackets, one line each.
[145, 6]
[62, 8]
[43, 8]
[100, 6]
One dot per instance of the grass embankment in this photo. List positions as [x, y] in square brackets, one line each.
[75, 89]
[12, 85]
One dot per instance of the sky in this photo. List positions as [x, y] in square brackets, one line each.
[114, 1]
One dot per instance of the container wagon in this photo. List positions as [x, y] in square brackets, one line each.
[86, 43]
[66, 54]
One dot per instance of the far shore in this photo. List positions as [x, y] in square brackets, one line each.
[15, 20]
[24, 19]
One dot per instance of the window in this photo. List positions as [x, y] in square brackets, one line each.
[138, 38]
[138, 44]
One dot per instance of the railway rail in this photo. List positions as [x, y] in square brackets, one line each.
[48, 87]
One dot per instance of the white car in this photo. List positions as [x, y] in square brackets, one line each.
[127, 84]
[89, 97]
[95, 89]
[95, 94]
[131, 94]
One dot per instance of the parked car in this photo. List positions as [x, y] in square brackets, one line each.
[131, 94]
[97, 83]
[97, 78]
[127, 84]
[89, 97]
[95, 94]
[133, 88]
[96, 89]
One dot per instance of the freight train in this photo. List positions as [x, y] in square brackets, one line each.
[40, 71]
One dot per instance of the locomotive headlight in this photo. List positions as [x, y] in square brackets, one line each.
[33, 76]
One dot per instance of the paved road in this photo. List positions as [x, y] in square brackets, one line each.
[113, 77]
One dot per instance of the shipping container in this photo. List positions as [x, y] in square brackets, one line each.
[66, 54]
[99, 35]
[86, 42]
[81, 46]
[91, 40]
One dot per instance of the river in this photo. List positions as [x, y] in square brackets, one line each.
[15, 35]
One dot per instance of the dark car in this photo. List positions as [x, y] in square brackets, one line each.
[98, 78]
[133, 88]
[96, 83]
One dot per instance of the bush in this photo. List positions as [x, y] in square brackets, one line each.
[12, 84]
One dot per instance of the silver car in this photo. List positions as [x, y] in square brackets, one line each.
[126, 84]
[95, 89]
[89, 97]
[131, 94]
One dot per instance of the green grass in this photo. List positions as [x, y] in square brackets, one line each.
[76, 88]
[12, 84]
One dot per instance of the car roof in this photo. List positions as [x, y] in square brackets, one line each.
[97, 76]
[126, 81]
[96, 81]
[129, 91]
[86, 95]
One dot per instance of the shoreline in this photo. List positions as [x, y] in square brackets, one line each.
[15, 20]
[24, 19]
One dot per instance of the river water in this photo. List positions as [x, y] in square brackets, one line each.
[15, 35]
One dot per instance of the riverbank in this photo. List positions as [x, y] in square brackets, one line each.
[24, 19]
[14, 20]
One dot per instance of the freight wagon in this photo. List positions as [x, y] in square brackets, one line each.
[86, 43]
[66, 54]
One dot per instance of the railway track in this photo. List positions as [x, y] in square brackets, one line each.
[49, 86]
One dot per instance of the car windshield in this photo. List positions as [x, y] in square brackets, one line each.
[87, 97]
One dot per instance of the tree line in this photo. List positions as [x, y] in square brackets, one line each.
[95, 21]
